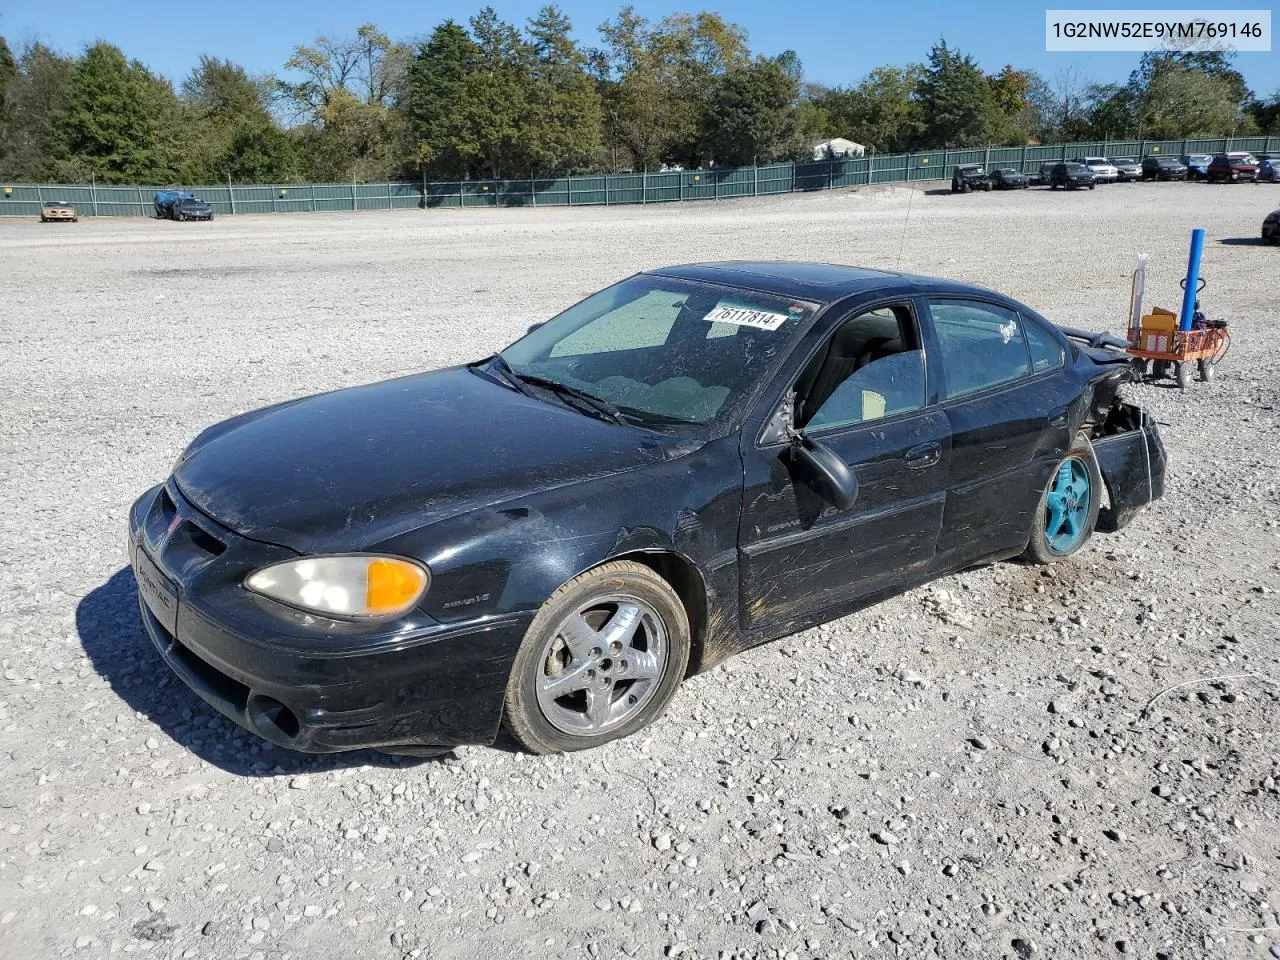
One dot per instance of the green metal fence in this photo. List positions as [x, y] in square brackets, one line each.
[24, 200]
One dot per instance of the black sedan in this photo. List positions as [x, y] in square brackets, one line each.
[190, 208]
[1271, 227]
[1007, 178]
[686, 464]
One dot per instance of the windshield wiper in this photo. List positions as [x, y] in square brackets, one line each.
[581, 398]
[497, 368]
[649, 416]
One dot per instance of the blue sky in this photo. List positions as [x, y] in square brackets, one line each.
[837, 43]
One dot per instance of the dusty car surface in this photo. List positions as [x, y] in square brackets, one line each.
[686, 464]
[59, 211]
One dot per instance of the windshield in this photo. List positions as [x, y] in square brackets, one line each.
[1007, 171]
[664, 352]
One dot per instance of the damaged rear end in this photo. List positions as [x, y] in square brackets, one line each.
[1126, 441]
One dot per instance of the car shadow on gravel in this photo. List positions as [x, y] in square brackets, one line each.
[1243, 242]
[111, 633]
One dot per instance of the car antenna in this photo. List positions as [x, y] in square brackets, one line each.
[911, 195]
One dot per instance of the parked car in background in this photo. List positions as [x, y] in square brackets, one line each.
[1103, 170]
[1127, 168]
[1197, 165]
[1045, 169]
[1071, 175]
[165, 199]
[1007, 178]
[1163, 168]
[685, 465]
[190, 208]
[1271, 227]
[51, 212]
[969, 176]
[1268, 169]
[1232, 168]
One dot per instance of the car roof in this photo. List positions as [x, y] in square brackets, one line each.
[820, 283]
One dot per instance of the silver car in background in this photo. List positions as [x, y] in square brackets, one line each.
[1127, 168]
[1102, 169]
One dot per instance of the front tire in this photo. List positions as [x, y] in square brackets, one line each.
[1068, 507]
[601, 660]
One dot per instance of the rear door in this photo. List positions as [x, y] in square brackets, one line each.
[1007, 411]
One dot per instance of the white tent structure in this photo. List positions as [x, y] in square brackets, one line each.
[837, 149]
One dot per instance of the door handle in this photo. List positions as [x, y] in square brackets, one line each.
[1058, 418]
[924, 455]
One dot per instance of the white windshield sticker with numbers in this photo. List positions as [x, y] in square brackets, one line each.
[745, 317]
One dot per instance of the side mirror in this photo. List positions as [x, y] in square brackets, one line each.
[826, 471]
[535, 326]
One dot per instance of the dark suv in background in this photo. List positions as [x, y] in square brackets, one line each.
[1163, 168]
[969, 176]
[1071, 175]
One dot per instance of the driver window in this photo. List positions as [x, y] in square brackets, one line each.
[872, 368]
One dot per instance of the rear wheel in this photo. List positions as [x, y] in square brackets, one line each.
[1206, 371]
[601, 660]
[1069, 505]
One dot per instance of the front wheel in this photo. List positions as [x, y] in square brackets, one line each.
[1068, 509]
[1206, 371]
[1184, 374]
[601, 660]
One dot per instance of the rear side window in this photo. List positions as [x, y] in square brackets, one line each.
[982, 345]
[1046, 352]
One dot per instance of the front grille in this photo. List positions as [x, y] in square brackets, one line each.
[178, 538]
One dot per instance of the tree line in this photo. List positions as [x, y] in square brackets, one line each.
[491, 99]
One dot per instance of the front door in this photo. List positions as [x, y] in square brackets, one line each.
[864, 396]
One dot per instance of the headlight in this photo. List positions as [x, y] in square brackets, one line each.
[355, 587]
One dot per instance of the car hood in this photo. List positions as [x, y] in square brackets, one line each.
[345, 470]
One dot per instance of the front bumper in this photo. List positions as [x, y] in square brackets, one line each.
[304, 682]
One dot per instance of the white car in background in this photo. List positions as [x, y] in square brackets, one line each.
[1104, 170]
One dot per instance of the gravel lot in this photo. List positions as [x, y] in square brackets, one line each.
[966, 770]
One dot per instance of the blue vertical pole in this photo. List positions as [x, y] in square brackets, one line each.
[1193, 279]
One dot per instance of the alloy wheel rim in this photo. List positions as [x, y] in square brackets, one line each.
[602, 665]
[1067, 506]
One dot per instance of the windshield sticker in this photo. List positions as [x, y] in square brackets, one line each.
[744, 317]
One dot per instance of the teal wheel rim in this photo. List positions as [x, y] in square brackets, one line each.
[1067, 506]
